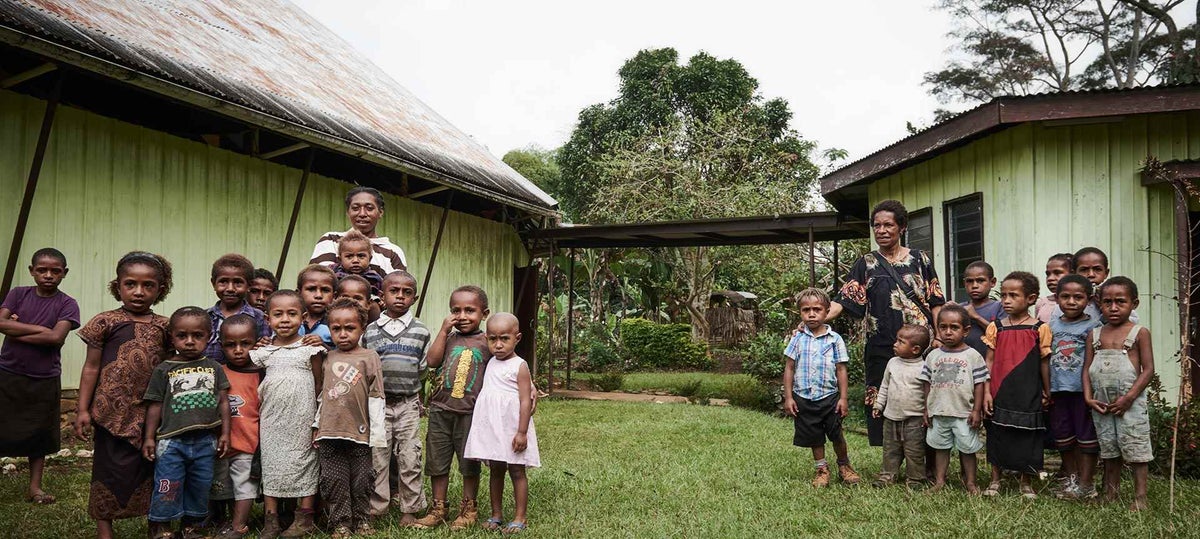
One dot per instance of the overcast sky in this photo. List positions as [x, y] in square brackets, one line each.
[518, 72]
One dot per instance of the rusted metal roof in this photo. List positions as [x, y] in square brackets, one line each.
[269, 62]
[998, 114]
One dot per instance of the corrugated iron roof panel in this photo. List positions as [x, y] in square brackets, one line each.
[272, 57]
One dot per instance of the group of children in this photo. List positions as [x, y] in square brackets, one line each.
[1067, 372]
[307, 398]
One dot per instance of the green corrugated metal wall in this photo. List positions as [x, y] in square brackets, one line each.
[1049, 189]
[109, 187]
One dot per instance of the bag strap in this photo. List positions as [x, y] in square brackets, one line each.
[904, 287]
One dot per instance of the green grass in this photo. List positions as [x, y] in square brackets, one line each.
[711, 384]
[645, 470]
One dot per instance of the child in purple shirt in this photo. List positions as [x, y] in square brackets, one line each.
[34, 320]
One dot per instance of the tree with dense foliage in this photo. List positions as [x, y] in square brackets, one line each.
[538, 165]
[685, 141]
[1020, 47]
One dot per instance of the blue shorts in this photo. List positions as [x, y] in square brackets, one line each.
[953, 433]
[183, 473]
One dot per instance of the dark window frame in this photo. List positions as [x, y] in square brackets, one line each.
[927, 211]
[951, 279]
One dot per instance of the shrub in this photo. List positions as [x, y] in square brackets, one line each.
[609, 381]
[600, 358]
[690, 390]
[1162, 419]
[752, 394]
[764, 357]
[662, 346]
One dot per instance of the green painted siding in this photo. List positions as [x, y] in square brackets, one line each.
[109, 187]
[1049, 189]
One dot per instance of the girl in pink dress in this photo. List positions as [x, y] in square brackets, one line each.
[502, 430]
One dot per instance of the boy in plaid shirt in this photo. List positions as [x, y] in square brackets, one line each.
[815, 371]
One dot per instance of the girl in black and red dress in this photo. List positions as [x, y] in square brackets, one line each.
[1019, 390]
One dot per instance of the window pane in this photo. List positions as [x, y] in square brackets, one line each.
[964, 234]
[920, 230]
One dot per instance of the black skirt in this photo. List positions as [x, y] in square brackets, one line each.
[29, 423]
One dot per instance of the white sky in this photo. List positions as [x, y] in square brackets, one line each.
[518, 72]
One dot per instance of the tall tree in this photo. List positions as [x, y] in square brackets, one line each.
[687, 141]
[1019, 47]
[538, 165]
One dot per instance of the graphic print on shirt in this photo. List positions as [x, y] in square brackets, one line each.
[1068, 352]
[192, 388]
[463, 358]
[348, 375]
[236, 402]
[949, 372]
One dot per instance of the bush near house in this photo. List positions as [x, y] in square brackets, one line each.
[1187, 457]
[646, 344]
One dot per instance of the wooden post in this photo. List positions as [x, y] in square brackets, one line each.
[812, 259]
[287, 238]
[552, 319]
[570, 311]
[35, 171]
[835, 279]
[437, 243]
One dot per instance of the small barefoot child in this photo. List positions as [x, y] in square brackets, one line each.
[1070, 419]
[231, 277]
[288, 406]
[815, 371]
[262, 286]
[953, 378]
[187, 400]
[1019, 389]
[316, 286]
[459, 352]
[35, 321]
[400, 340]
[124, 346]
[1117, 370]
[979, 279]
[233, 478]
[901, 403]
[502, 433]
[349, 420]
[354, 258]
[1057, 266]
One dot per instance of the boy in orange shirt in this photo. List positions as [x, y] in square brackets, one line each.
[232, 477]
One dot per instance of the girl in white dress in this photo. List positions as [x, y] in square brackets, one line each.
[502, 430]
[288, 406]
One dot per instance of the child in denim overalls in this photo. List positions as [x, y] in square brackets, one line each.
[1117, 369]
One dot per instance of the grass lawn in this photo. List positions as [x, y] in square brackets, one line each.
[646, 470]
[711, 383]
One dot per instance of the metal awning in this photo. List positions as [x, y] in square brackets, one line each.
[762, 230]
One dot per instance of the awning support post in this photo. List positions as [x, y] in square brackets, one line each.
[437, 243]
[812, 259]
[287, 238]
[570, 311]
[31, 182]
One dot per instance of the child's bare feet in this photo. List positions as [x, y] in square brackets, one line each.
[972, 489]
[407, 520]
[935, 488]
[1110, 496]
[1139, 504]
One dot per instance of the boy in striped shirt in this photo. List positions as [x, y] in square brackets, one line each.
[401, 341]
[816, 377]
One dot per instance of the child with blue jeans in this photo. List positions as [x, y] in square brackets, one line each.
[188, 400]
[815, 372]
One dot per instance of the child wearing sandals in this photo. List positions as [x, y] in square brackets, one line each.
[1118, 368]
[502, 431]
